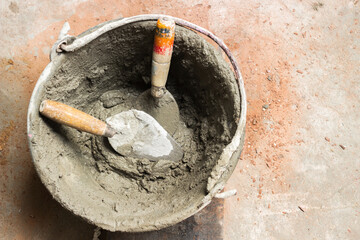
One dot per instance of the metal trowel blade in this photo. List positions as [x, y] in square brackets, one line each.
[140, 135]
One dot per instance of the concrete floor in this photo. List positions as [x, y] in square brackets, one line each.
[298, 177]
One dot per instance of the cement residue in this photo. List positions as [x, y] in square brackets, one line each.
[106, 77]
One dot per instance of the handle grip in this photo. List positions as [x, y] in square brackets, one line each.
[162, 52]
[69, 116]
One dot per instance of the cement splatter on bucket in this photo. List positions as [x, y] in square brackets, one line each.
[102, 72]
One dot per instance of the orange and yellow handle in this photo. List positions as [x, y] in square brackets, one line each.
[66, 115]
[164, 40]
[162, 52]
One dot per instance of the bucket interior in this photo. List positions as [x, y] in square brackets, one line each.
[104, 78]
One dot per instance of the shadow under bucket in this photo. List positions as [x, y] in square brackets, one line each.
[102, 72]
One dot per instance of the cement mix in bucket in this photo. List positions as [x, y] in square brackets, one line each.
[104, 78]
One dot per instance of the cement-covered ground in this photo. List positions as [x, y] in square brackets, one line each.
[299, 174]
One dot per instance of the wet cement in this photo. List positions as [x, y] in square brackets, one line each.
[106, 77]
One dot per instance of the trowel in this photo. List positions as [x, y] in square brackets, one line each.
[131, 133]
[157, 101]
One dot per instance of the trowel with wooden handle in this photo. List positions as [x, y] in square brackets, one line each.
[131, 133]
[158, 101]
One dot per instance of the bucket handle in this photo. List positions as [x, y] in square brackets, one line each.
[226, 194]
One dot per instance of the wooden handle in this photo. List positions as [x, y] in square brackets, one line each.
[162, 52]
[64, 114]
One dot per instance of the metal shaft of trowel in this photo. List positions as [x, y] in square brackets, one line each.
[161, 58]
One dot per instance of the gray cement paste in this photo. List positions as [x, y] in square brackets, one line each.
[104, 78]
